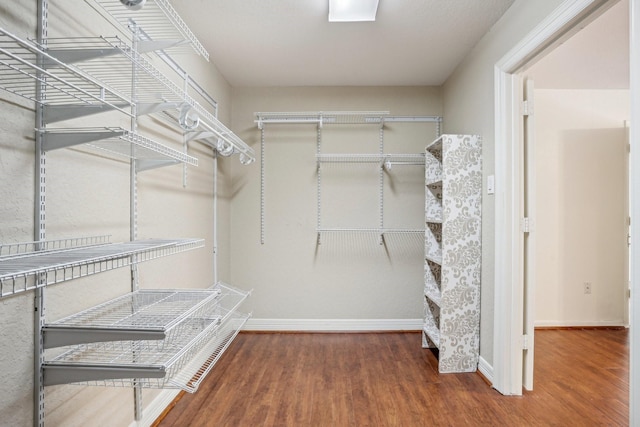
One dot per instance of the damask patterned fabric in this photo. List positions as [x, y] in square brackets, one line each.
[453, 218]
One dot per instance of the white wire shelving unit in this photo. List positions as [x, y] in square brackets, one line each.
[30, 270]
[384, 161]
[23, 64]
[159, 20]
[115, 63]
[118, 142]
[178, 335]
[146, 338]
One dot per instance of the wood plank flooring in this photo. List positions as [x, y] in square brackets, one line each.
[581, 379]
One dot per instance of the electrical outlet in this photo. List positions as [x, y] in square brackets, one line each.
[587, 288]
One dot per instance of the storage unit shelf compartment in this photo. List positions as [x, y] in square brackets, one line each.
[183, 363]
[22, 273]
[433, 295]
[433, 334]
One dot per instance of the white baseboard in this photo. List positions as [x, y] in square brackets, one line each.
[485, 369]
[578, 323]
[333, 325]
[156, 408]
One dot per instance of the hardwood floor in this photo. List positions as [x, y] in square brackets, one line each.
[581, 379]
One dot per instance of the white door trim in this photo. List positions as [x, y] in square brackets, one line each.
[634, 204]
[508, 296]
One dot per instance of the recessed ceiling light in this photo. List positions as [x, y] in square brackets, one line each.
[352, 10]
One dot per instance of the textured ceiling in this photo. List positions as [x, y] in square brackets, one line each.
[291, 43]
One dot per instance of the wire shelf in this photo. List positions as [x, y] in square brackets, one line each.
[183, 363]
[23, 63]
[230, 298]
[113, 62]
[16, 249]
[339, 117]
[120, 142]
[32, 270]
[157, 20]
[142, 315]
[383, 159]
[321, 117]
[372, 230]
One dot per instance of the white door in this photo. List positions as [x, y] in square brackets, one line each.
[528, 230]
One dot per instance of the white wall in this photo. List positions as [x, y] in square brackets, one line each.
[581, 190]
[469, 108]
[300, 285]
[88, 195]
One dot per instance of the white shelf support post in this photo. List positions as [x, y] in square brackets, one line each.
[319, 180]
[262, 184]
[40, 228]
[381, 182]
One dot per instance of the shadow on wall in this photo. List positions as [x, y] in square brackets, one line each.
[593, 212]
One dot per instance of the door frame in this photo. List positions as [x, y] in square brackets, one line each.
[566, 20]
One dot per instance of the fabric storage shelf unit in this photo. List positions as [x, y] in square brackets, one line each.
[453, 192]
[185, 333]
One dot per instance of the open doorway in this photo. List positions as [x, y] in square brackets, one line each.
[580, 168]
[510, 338]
